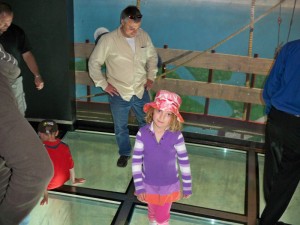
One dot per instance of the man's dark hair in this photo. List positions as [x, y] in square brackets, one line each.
[4, 7]
[131, 11]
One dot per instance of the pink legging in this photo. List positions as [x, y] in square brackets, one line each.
[159, 213]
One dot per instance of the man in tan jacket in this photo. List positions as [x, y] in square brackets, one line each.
[131, 67]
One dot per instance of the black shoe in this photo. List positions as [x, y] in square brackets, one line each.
[122, 161]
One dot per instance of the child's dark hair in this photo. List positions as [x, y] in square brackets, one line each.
[175, 125]
[48, 127]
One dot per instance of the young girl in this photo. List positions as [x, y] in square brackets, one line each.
[158, 148]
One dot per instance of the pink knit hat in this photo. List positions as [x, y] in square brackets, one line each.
[166, 101]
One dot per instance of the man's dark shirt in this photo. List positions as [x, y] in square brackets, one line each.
[15, 41]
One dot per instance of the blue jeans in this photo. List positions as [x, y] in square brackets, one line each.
[120, 110]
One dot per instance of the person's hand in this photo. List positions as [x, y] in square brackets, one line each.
[141, 197]
[186, 196]
[111, 90]
[44, 201]
[148, 84]
[79, 181]
[39, 83]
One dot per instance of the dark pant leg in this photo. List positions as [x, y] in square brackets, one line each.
[273, 154]
[25, 166]
[283, 183]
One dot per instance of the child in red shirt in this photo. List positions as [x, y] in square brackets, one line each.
[60, 155]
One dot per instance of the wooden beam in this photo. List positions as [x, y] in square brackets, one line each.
[98, 109]
[225, 62]
[252, 202]
[196, 88]
[83, 50]
[211, 90]
[82, 77]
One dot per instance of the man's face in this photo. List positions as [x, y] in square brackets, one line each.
[130, 27]
[5, 21]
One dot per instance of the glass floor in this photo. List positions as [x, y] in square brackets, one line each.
[219, 188]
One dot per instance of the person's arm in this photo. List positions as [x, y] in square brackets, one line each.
[72, 175]
[152, 59]
[75, 180]
[8, 66]
[184, 166]
[273, 81]
[6, 57]
[45, 198]
[33, 67]
[137, 163]
[96, 60]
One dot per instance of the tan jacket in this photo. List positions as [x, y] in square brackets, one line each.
[125, 70]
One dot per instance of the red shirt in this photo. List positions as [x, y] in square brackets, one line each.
[61, 158]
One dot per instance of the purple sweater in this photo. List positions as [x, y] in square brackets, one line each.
[155, 163]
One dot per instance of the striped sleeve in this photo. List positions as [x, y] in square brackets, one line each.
[7, 57]
[137, 163]
[184, 165]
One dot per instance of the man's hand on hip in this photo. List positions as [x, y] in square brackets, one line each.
[111, 90]
[148, 84]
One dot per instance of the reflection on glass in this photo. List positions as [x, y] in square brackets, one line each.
[140, 217]
[219, 176]
[73, 210]
[95, 156]
[218, 173]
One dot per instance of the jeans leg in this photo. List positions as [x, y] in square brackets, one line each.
[137, 107]
[120, 110]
